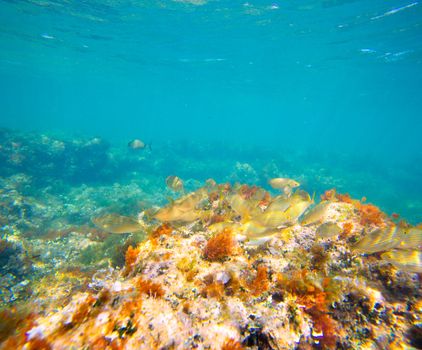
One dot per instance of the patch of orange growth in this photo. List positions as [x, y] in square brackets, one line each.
[131, 256]
[370, 214]
[150, 288]
[214, 289]
[13, 328]
[216, 218]
[261, 282]
[38, 344]
[83, 310]
[164, 229]
[265, 201]
[220, 246]
[344, 198]
[315, 299]
[324, 324]
[129, 308]
[329, 195]
[347, 228]
[231, 344]
[100, 343]
[247, 192]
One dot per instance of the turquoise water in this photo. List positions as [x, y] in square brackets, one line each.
[321, 88]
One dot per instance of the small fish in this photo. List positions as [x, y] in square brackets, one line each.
[137, 144]
[279, 203]
[406, 260]
[280, 183]
[245, 208]
[328, 229]
[411, 238]
[210, 184]
[174, 183]
[115, 223]
[317, 214]
[254, 230]
[379, 240]
[182, 209]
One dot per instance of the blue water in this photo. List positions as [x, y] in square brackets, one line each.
[321, 88]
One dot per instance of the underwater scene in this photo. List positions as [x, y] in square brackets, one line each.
[210, 174]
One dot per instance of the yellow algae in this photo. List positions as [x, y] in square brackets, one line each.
[379, 240]
[406, 260]
[317, 214]
[115, 223]
[328, 229]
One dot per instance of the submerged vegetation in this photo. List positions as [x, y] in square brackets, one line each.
[225, 266]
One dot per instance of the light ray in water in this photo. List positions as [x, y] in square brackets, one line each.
[394, 11]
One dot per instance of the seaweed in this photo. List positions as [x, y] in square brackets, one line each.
[131, 256]
[220, 246]
[370, 214]
[164, 229]
[261, 282]
[231, 344]
[150, 288]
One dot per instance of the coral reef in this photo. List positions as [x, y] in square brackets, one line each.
[189, 285]
[238, 267]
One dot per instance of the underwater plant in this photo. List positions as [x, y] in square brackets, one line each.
[220, 246]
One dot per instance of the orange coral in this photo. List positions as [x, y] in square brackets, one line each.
[130, 307]
[38, 344]
[370, 214]
[261, 282]
[344, 198]
[263, 203]
[131, 256]
[213, 290]
[247, 192]
[329, 195]
[164, 229]
[315, 301]
[347, 228]
[83, 310]
[216, 218]
[220, 246]
[150, 288]
[231, 344]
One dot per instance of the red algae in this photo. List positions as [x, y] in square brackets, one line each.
[329, 195]
[370, 214]
[150, 288]
[231, 344]
[164, 229]
[347, 228]
[315, 301]
[220, 246]
[213, 290]
[131, 256]
[83, 311]
[38, 344]
[261, 282]
[247, 192]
